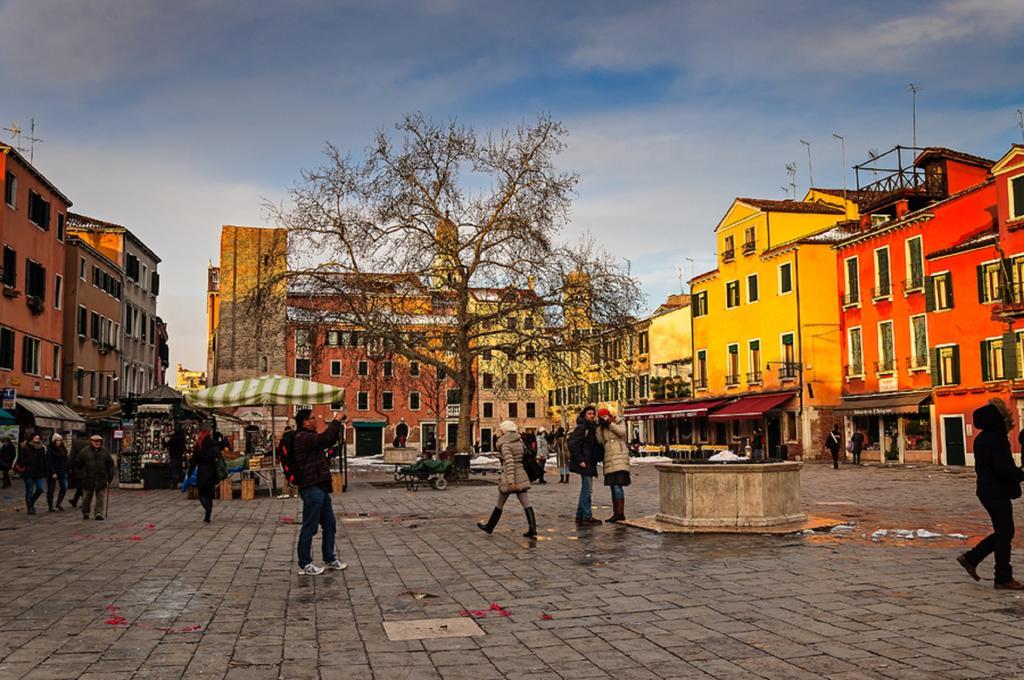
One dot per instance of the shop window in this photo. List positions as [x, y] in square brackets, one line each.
[785, 278]
[938, 290]
[6, 348]
[917, 433]
[414, 401]
[945, 362]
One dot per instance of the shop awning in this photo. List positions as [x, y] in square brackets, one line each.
[52, 415]
[754, 406]
[681, 409]
[6, 418]
[883, 404]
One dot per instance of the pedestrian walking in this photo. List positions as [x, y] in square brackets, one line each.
[204, 463]
[584, 452]
[56, 472]
[514, 479]
[76, 446]
[834, 442]
[611, 435]
[998, 483]
[543, 451]
[32, 464]
[856, 446]
[529, 454]
[313, 473]
[8, 452]
[561, 454]
[94, 468]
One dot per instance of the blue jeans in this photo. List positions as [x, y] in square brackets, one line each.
[583, 510]
[317, 510]
[53, 484]
[618, 493]
[34, 487]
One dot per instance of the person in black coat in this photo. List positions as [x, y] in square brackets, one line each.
[833, 442]
[56, 472]
[33, 463]
[998, 483]
[584, 453]
[8, 452]
[176, 453]
[856, 446]
[204, 462]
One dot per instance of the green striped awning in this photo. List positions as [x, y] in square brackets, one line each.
[265, 391]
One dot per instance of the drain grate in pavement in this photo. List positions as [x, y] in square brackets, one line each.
[430, 629]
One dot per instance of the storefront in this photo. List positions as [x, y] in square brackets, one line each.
[897, 427]
[772, 413]
[47, 418]
[673, 425]
[146, 433]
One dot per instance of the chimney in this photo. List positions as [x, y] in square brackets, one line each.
[902, 208]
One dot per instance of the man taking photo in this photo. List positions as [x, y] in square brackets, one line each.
[312, 471]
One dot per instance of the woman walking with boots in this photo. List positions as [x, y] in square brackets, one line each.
[57, 472]
[513, 479]
[33, 461]
[204, 462]
[561, 455]
[612, 436]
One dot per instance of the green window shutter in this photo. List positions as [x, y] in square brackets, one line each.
[982, 293]
[986, 367]
[956, 365]
[936, 368]
[949, 289]
[929, 294]
[787, 339]
[755, 345]
[1010, 367]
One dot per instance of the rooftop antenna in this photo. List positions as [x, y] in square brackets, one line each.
[913, 99]
[1020, 122]
[791, 171]
[842, 147]
[679, 274]
[810, 168]
[32, 139]
[873, 156]
[15, 131]
[691, 261]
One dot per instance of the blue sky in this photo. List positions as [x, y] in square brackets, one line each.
[174, 118]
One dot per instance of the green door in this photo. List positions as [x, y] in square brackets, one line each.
[368, 441]
[953, 431]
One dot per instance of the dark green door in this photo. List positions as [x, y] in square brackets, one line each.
[368, 441]
[953, 434]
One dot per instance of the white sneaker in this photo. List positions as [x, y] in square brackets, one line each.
[336, 565]
[311, 570]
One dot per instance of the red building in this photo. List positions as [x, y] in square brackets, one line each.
[896, 294]
[32, 225]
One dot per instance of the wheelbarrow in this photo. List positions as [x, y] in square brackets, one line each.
[425, 472]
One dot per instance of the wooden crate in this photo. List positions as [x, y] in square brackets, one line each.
[337, 485]
[226, 492]
[255, 463]
[248, 489]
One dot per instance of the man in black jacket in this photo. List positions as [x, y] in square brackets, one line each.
[584, 452]
[312, 472]
[998, 484]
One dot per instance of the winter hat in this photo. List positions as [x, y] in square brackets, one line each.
[508, 426]
[605, 413]
[56, 438]
[541, 429]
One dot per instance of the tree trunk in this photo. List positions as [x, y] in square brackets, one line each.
[464, 440]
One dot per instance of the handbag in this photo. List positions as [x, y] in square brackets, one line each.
[222, 469]
[849, 447]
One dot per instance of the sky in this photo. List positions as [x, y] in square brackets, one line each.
[174, 117]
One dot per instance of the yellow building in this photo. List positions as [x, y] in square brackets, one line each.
[766, 326]
[190, 381]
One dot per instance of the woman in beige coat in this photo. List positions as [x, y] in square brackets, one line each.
[612, 436]
[514, 479]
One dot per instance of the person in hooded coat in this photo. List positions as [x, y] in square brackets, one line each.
[612, 438]
[561, 455]
[584, 454]
[57, 472]
[514, 479]
[998, 483]
[204, 463]
[543, 449]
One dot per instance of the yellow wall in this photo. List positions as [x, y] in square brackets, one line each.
[670, 338]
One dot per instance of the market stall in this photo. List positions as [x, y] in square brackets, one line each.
[148, 422]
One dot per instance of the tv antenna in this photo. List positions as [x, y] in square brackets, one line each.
[15, 131]
[873, 156]
[17, 137]
[791, 171]
[32, 139]
[913, 100]
[810, 168]
[842, 147]
[1020, 122]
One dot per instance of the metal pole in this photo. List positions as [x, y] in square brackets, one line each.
[1020, 123]
[810, 167]
[842, 147]
[913, 99]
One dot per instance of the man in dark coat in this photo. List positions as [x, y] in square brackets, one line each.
[8, 452]
[857, 446]
[584, 452]
[833, 442]
[94, 467]
[998, 484]
[312, 471]
[176, 454]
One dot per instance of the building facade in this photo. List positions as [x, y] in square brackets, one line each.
[189, 381]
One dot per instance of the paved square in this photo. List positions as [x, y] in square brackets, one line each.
[154, 593]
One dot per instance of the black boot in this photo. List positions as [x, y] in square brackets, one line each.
[531, 519]
[492, 522]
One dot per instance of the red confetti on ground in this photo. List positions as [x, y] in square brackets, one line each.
[475, 613]
[287, 519]
[116, 619]
[150, 527]
[544, 616]
[501, 611]
[136, 538]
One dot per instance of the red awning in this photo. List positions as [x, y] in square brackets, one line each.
[751, 407]
[685, 409]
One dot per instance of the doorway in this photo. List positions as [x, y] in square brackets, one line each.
[485, 439]
[953, 440]
[451, 436]
[773, 437]
[368, 440]
[427, 432]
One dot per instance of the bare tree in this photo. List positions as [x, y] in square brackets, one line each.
[442, 244]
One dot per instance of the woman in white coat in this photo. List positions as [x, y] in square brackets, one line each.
[612, 436]
[514, 479]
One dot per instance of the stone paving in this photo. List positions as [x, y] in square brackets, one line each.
[154, 593]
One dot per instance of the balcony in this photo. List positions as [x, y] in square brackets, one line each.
[754, 378]
[728, 255]
[788, 370]
[894, 172]
[885, 366]
[700, 383]
[1011, 306]
[881, 293]
[855, 371]
[749, 247]
[851, 299]
[917, 363]
[913, 285]
[732, 380]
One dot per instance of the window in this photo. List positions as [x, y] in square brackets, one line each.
[531, 409]
[83, 321]
[364, 369]
[332, 338]
[946, 365]
[919, 342]
[992, 367]
[886, 348]
[728, 249]
[414, 401]
[58, 291]
[852, 282]
[387, 401]
[527, 323]
[513, 323]
[488, 409]
[302, 367]
[990, 282]
[92, 385]
[938, 291]
[414, 368]
[732, 294]
[700, 303]
[789, 367]
[785, 278]
[883, 282]
[60, 227]
[143, 280]
[56, 362]
[531, 381]
[30, 355]
[335, 367]
[915, 265]
[79, 378]
[645, 386]
[144, 326]
[732, 376]
[38, 210]
[643, 340]
[131, 269]
[512, 381]
[94, 326]
[301, 341]
[752, 294]
[35, 280]
[754, 361]
[1017, 197]
[486, 355]
[10, 273]
[388, 369]
[700, 370]
[362, 401]
[6, 348]
[791, 429]
[487, 380]
[11, 189]
[154, 283]
[513, 410]
[82, 267]
[749, 240]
